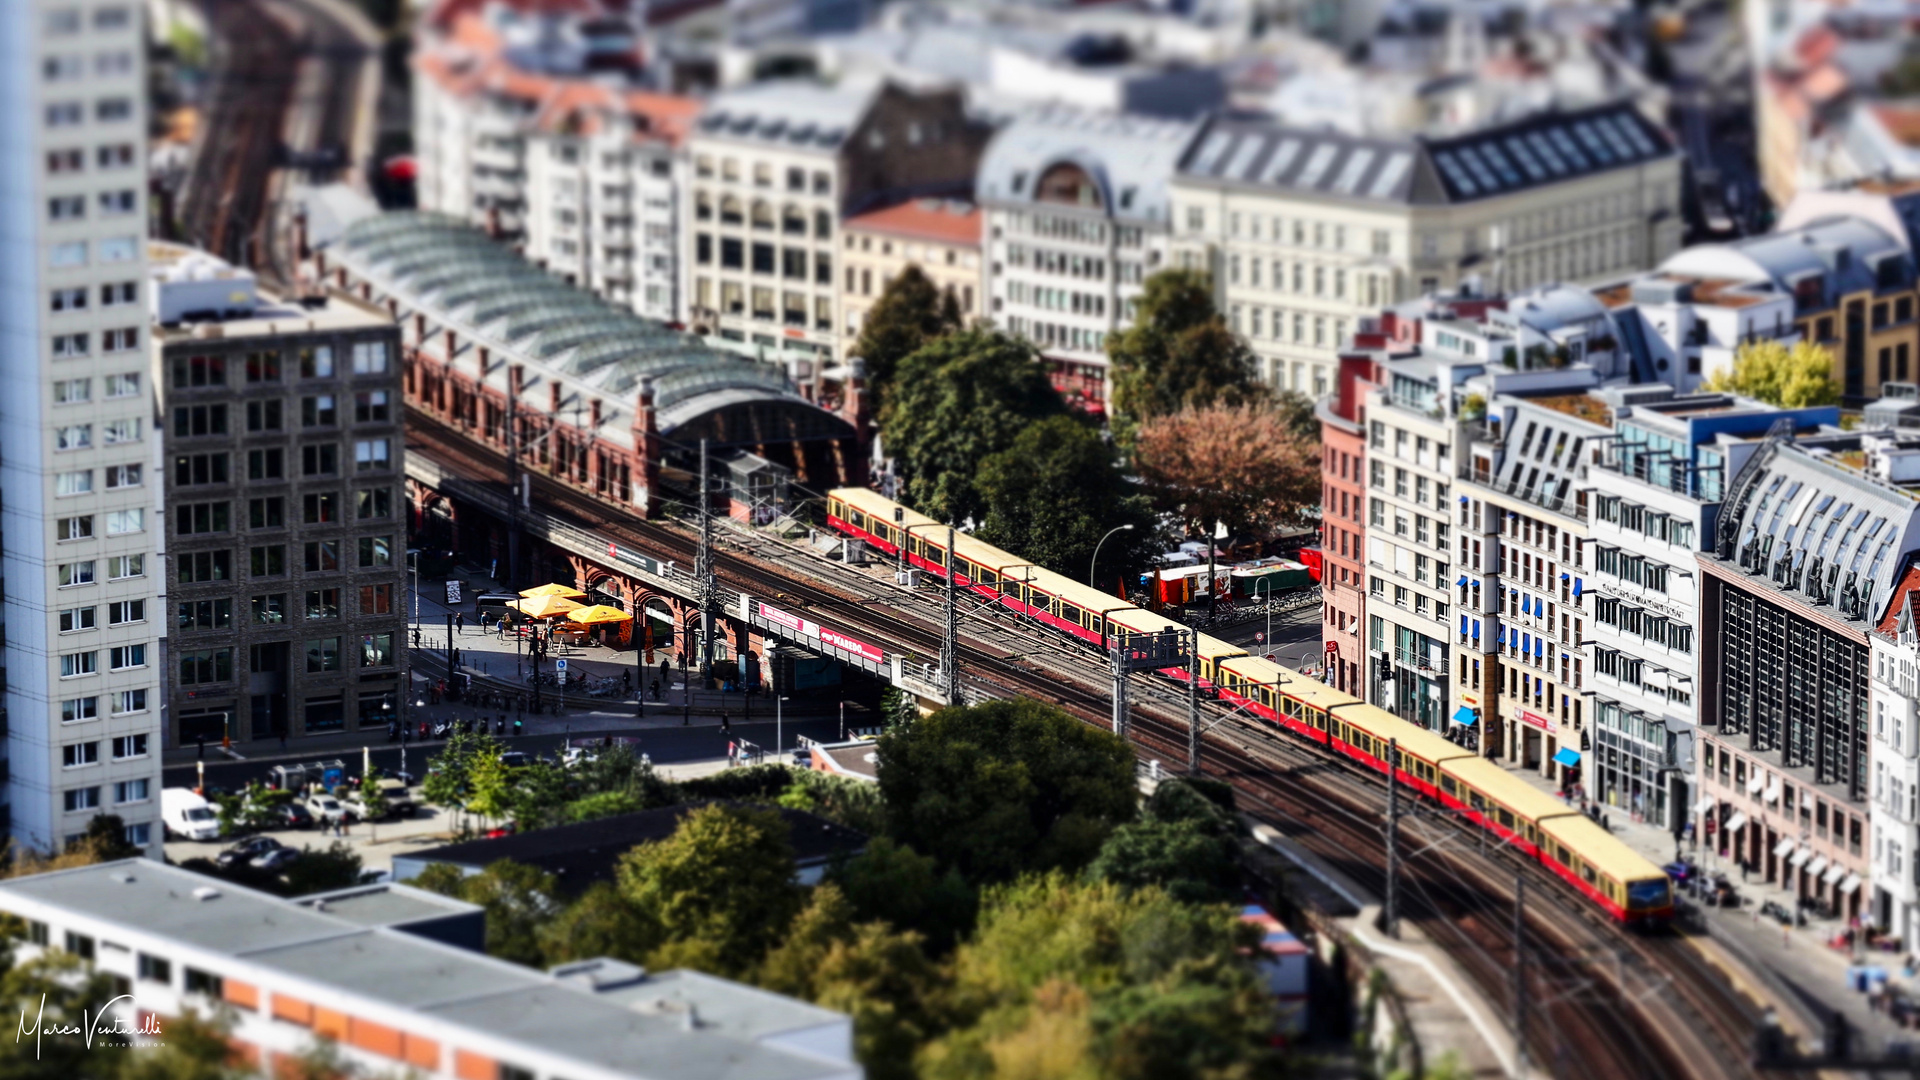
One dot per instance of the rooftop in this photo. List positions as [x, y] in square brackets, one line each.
[387, 904]
[1579, 406]
[1130, 158]
[799, 113]
[945, 221]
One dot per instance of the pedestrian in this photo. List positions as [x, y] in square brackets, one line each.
[416, 637]
[726, 725]
[626, 681]
[460, 621]
[655, 688]
[666, 672]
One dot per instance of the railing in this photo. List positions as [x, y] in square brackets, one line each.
[1421, 661]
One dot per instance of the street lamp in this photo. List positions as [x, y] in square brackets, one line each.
[1093, 563]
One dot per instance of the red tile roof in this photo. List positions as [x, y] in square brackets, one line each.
[1906, 590]
[945, 221]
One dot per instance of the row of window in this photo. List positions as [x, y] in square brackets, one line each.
[119, 568]
[1253, 322]
[270, 511]
[792, 220]
[110, 203]
[66, 22]
[1048, 335]
[125, 748]
[126, 791]
[792, 310]
[789, 263]
[107, 110]
[70, 254]
[75, 345]
[1658, 629]
[1420, 489]
[81, 709]
[797, 178]
[1042, 296]
[87, 662]
[1628, 566]
[271, 365]
[112, 433]
[270, 560]
[69, 160]
[1431, 532]
[118, 523]
[270, 463]
[270, 609]
[316, 411]
[1082, 230]
[1633, 517]
[119, 613]
[325, 654]
[80, 391]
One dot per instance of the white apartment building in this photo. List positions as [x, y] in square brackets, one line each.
[1077, 219]
[1895, 750]
[1307, 231]
[603, 186]
[82, 565]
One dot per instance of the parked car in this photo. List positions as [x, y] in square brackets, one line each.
[183, 812]
[399, 802]
[277, 859]
[514, 759]
[292, 816]
[247, 850]
[326, 809]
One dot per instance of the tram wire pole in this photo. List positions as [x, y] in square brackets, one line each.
[1519, 978]
[703, 571]
[1392, 915]
[1193, 705]
[950, 640]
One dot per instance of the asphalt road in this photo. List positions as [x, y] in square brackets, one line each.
[665, 746]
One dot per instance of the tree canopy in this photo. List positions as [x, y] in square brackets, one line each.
[1183, 844]
[1005, 787]
[1793, 378]
[1178, 354]
[956, 402]
[910, 312]
[1052, 495]
[719, 891]
[1238, 464]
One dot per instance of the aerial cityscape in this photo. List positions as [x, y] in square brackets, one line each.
[947, 539]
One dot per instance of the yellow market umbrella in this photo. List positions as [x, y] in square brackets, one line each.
[544, 607]
[598, 613]
[567, 591]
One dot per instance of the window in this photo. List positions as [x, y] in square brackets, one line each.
[205, 566]
[65, 114]
[78, 482]
[316, 362]
[132, 791]
[152, 968]
[118, 203]
[322, 555]
[113, 109]
[206, 666]
[122, 657]
[121, 292]
[204, 614]
[369, 357]
[67, 207]
[372, 407]
[80, 618]
[69, 300]
[66, 161]
[78, 799]
[376, 650]
[125, 522]
[374, 503]
[264, 416]
[376, 599]
[320, 460]
[122, 612]
[193, 421]
[263, 367]
[126, 702]
[126, 566]
[200, 982]
[321, 508]
[318, 411]
[323, 654]
[130, 746]
[77, 573]
[68, 346]
[376, 551]
[370, 454]
[123, 385]
[74, 710]
[81, 945]
[79, 527]
[269, 560]
[75, 664]
[270, 608]
[73, 437]
[323, 603]
[116, 432]
[123, 476]
[268, 464]
[268, 513]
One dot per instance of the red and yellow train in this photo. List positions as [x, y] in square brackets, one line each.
[1628, 886]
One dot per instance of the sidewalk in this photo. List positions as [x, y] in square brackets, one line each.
[1798, 959]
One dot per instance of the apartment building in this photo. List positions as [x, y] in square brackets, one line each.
[1812, 542]
[777, 166]
[1895, 752]
[81, 533]
[1308, 230]
[392, 979]
[1343, 522]
[1078, 216]
[940, 236]
[604, 178]
[1657, 487]
[286, 523]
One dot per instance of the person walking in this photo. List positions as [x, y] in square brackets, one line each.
[655, 688]
[726, 724]
[460, 621]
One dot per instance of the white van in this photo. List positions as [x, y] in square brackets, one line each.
[184, 813]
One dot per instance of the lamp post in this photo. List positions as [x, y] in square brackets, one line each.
[1094, 563]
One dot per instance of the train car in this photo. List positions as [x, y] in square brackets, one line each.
[1257, 580]
[1629, 887]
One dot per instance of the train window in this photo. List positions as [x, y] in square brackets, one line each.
[1474, 800]
[1505, 815]
[1586, 873]
[1319, 718]
[1446, 783]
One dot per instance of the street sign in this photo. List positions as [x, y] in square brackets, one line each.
[1333, 646]
[1260, 637]
[560, 664]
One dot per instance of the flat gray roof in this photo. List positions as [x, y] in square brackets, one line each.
[385, 905]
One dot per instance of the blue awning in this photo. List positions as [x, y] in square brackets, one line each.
[1463, 624]
[1501, 637]
[1476, 628]
[1463, 716]
[1569, 758]
[1463, 500]
[1564, 576]
[1462, 583]
[1539, 647]
[1576, 586]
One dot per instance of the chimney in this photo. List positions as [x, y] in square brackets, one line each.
[484, 361]
[453, 346]
[593, 408]
[553, 396]
[516, 375]
[646, 443]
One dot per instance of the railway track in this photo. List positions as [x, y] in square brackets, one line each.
[1603, 1003]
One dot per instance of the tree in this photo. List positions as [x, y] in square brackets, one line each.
[911, 312]
[1178, 354]
[336, 866]
[105, 839]
[1795, 378]
[373, 795]
[1296, 411]
[1005, 787]
[599, 922]
[892, 883]
[1188, 860]
[519, 901]
[1234, 464]
[956, 402]
[719, 891]
[488, 787]
[1052, 495]
[56, 992]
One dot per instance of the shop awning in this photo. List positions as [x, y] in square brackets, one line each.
[1463, 716]
[1703, 805]
[1773, 790]
[1780, 849]
[1754, 782]
[1737, 822]
[1852, 883]
[1818, 864]
[1833, 874]
[1800, 857]
[1569, 758]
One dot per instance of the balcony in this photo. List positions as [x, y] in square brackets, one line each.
[1425, 663]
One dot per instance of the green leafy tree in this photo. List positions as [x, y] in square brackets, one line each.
[602, 804]
[1055, 493]
[449, 780]
[1178, 354]
[599, 922]
[892, 883]
[105, 839]
[1189, 861]
[854, 803]
[373, 795]
[1006, 787]
[1296, 411]
[719, 891]
[956, 402]
[336, 866]
[1767, 370]
[489, 787]
[55, 992]
[1239, 465]
[539, 796]
[520, 901]
[911, 312]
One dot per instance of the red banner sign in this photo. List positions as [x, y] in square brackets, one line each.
[808, 628]
[1534, 719]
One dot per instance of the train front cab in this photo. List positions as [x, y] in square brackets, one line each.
[1620, 879]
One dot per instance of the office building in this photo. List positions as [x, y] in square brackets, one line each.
[1895, 752]
[940, 236]
[80, 528]
[387, 976]
[286, 509]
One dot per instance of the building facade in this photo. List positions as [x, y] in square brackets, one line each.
[1077, 213]
[776, 167]
[1895, 908]
[1306, 231]
[1343, 524]
[82, 566]
[286, 523]
[940, 236]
